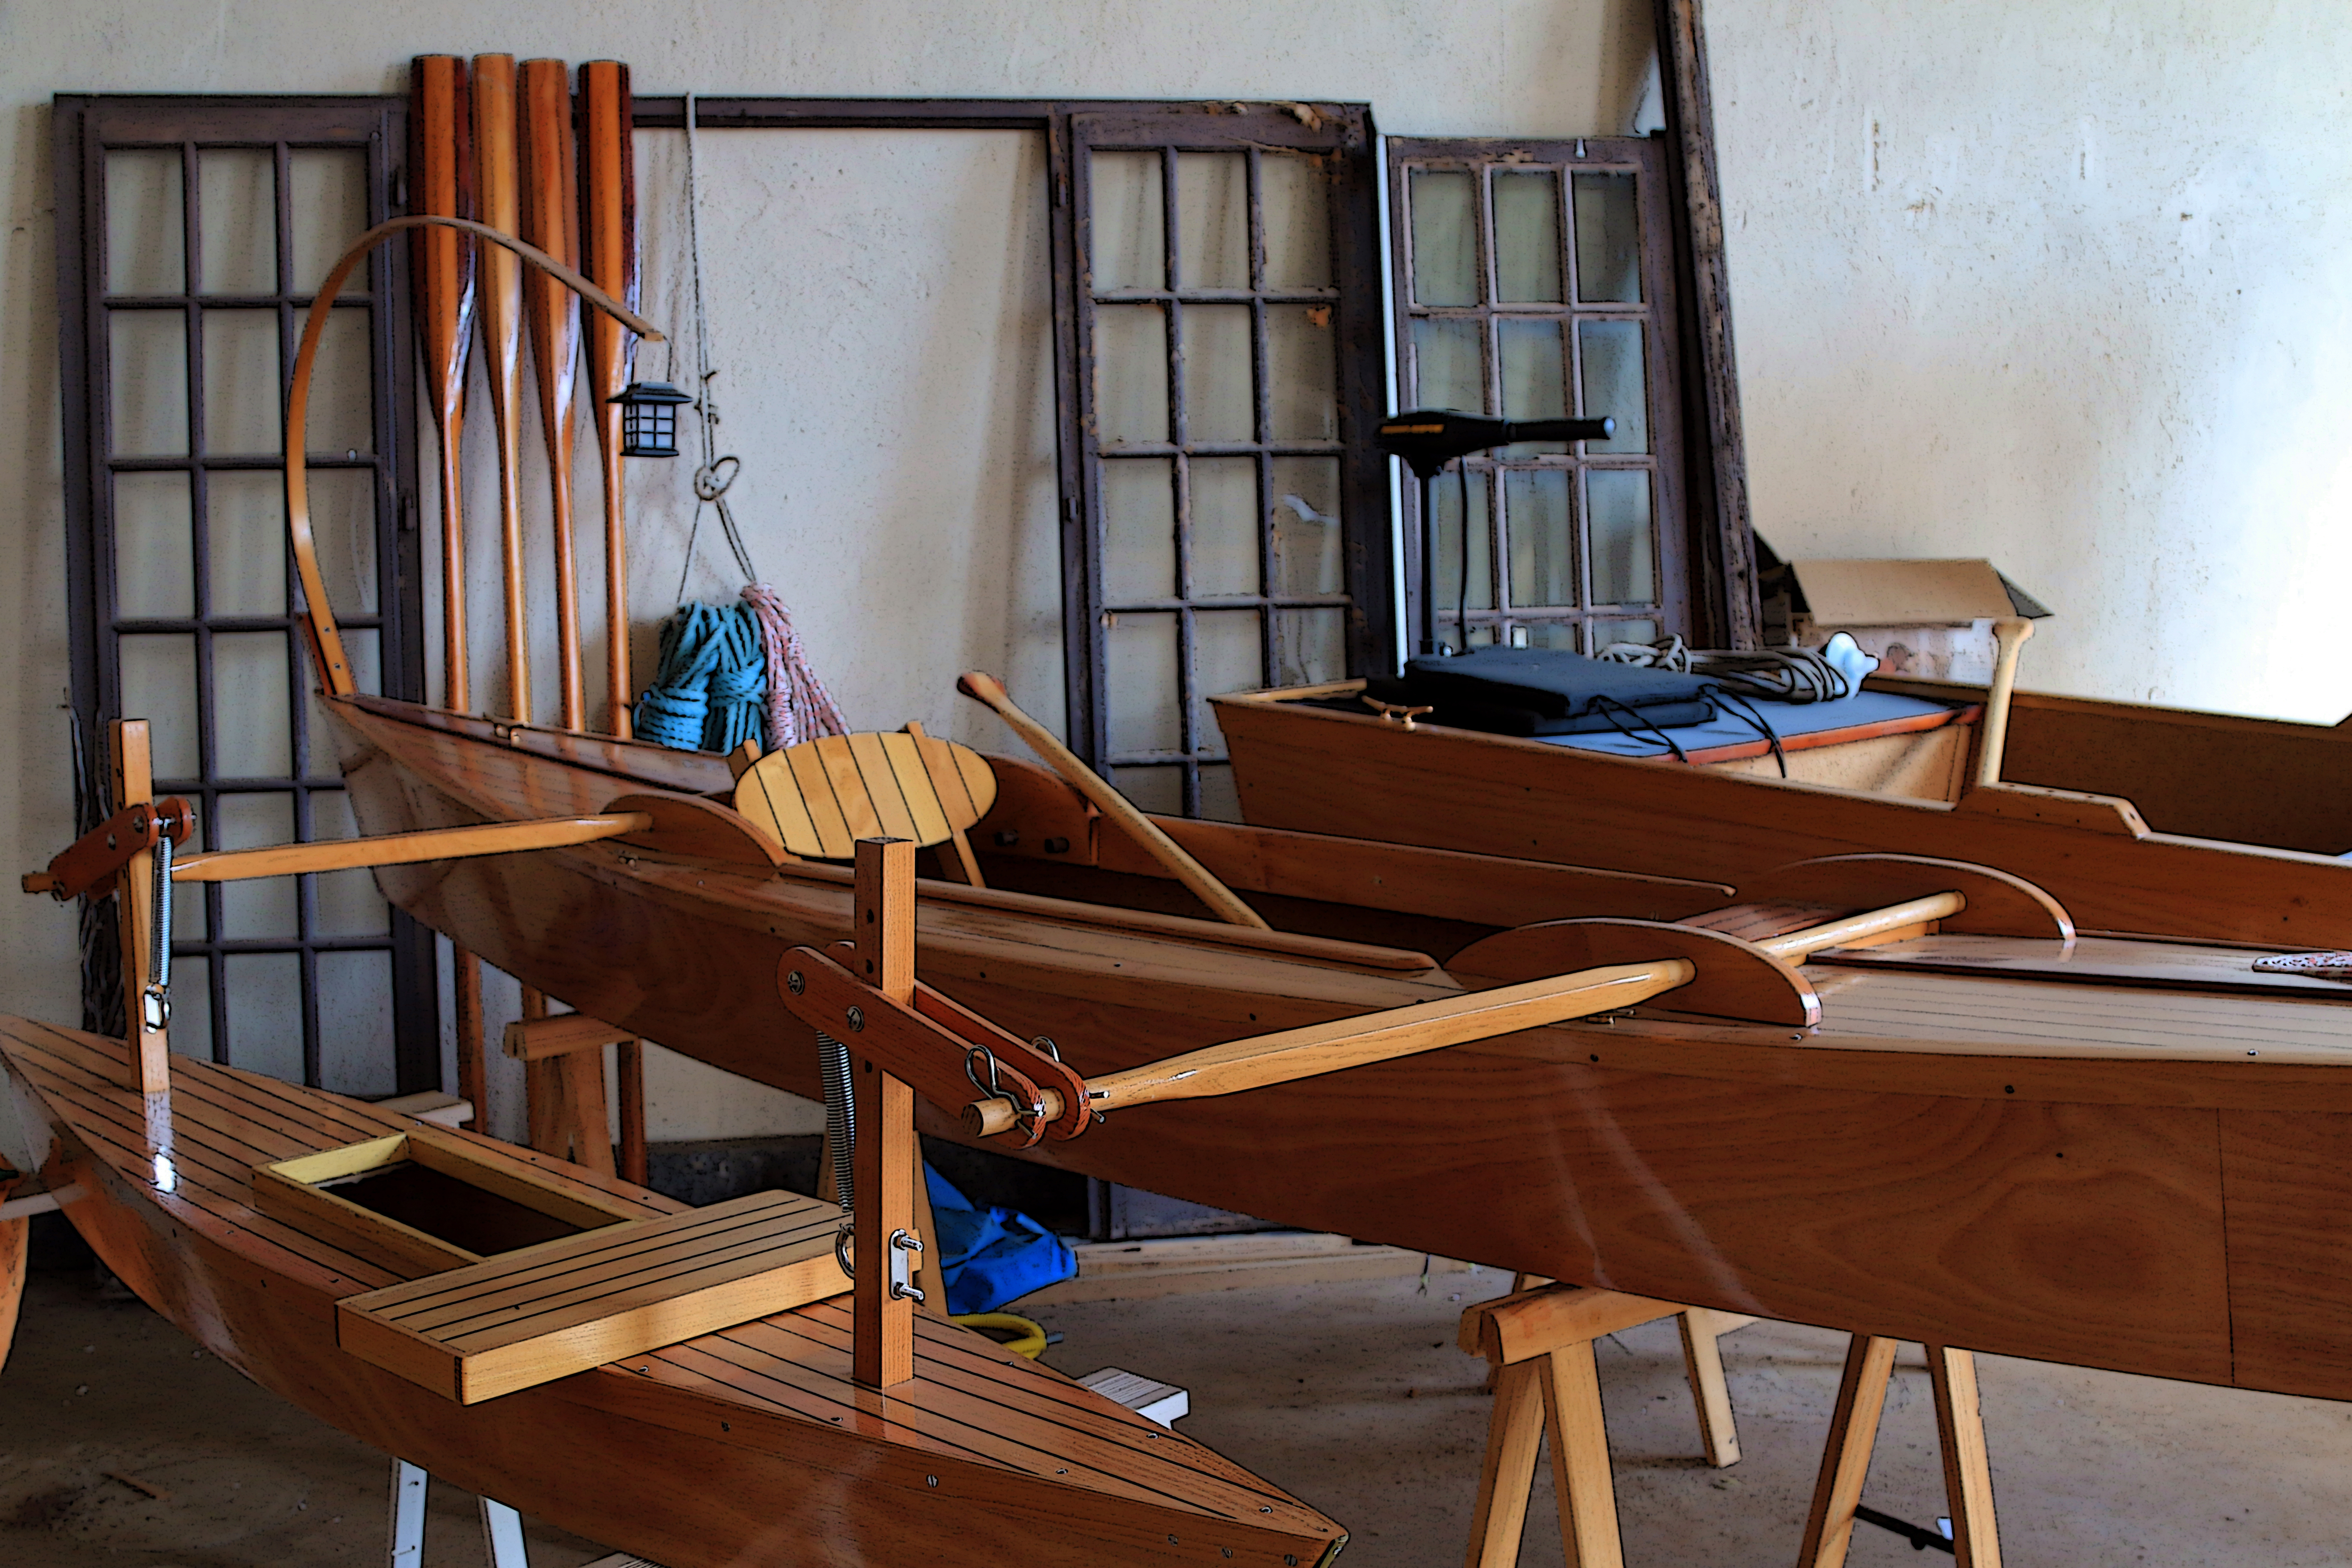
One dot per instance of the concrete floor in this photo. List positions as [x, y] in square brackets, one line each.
[123, 1445]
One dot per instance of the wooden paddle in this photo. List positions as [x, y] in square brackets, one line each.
[498, 188]
[441, 180]
[551, 220]
[608, 241]
[1204, 885]
[2011, 635]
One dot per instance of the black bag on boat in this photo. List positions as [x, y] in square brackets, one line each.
[1545, 691]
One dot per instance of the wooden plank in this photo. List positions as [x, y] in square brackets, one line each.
[548, 1312]
[2287, 1185]
[379, 1238]
[1533, 1323]
[1515, 1429]
[561, 1194]
[535, 1039]
[838, 761]
[406, 848]
[1581, 1482]
[879, 780]
[1846, 1455]
[1968, 1471]
[811, 774]
[886, 1156]
[134, 782]
[925, 808]
[2095, 961]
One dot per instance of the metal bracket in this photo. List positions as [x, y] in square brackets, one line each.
[904, 1245]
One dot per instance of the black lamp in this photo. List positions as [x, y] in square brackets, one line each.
[649, 418]
[1428, 439]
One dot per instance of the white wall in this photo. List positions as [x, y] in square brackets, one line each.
[2068, 286]
[878, 300]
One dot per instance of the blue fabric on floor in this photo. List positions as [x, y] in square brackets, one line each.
[991, 1255]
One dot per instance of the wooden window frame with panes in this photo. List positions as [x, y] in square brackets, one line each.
[85, 129]
[1585, 625]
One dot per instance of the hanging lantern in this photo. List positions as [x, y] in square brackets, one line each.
[649, 418]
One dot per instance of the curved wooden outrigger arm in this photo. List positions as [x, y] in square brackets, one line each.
[318, 616]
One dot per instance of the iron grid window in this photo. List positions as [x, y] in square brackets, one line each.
[1534, 280]
[192, 234]
[1234, 518]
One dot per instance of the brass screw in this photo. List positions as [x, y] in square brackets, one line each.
[857, 1020]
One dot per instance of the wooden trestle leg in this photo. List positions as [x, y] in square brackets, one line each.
[1548, 1386]
[1853, 1431]
[887, 1242]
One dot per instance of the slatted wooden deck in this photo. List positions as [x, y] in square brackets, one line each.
[750, 1445]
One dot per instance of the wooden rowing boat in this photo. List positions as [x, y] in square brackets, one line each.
[750, 1445]
[2139, 819]
[2088, 1158]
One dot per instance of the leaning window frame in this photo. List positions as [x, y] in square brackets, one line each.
[1682, 594]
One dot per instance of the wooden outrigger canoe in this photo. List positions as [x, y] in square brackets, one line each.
[2095, 1157]
[752, 1444]
[2139, 819]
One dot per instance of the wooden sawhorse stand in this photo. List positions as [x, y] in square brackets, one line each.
[1546, 1383]
[1853, 1430]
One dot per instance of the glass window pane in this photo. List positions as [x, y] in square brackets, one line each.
[1154, 789]
[159, 685]
[1304, 514]
[1127, 245]
[360, 647]
[253, 736]
[237, 213]
[1624, 553]
[1449, 361]
[1526, 237]
[1448, 549]
[1140, 658]
[1296, 202]
[1212, 220]
[155, 546]
[192, 1003]
[1535, 378]
[347, 903]
[1138, 500]
[342, 396]
[342, 529]
[1444, 205]
[1607, 632]
[265, 1013]
[1539, 520]
[1302, 373]
[1220, 801]
[355, 1042]
[246, 536]
[1218, 405]
[1556, 634]
[265, 907]
[147, 382]
[144, 217]
[242, 411]
[1132, 372]
[327, 209]
[1227, 657]
[1614, 384]
[1309, 646]
[1225, 526]
[1608, 239]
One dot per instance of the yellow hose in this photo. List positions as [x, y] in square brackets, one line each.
[1033, 1340]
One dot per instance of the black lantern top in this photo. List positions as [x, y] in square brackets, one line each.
[649, 418]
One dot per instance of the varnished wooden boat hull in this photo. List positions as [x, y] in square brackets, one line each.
[1296, 767]
[2102, 1176]
[746, 1447]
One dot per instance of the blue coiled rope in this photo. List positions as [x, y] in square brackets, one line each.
[709, 691]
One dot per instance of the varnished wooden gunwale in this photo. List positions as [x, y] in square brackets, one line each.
[749, 1445]
[2036, 1192]
[1495, 794]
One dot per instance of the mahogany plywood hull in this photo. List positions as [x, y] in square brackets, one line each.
[2096, 1177]
[1327, 772]
[746, 1446]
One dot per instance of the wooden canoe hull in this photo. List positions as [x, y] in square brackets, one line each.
[712, 1454]
[1296, 767]
[2058, 1192]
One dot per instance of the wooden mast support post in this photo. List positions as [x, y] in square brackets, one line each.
[884, 1161]
[134, 781]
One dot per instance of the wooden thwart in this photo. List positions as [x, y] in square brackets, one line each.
[543, 1312]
